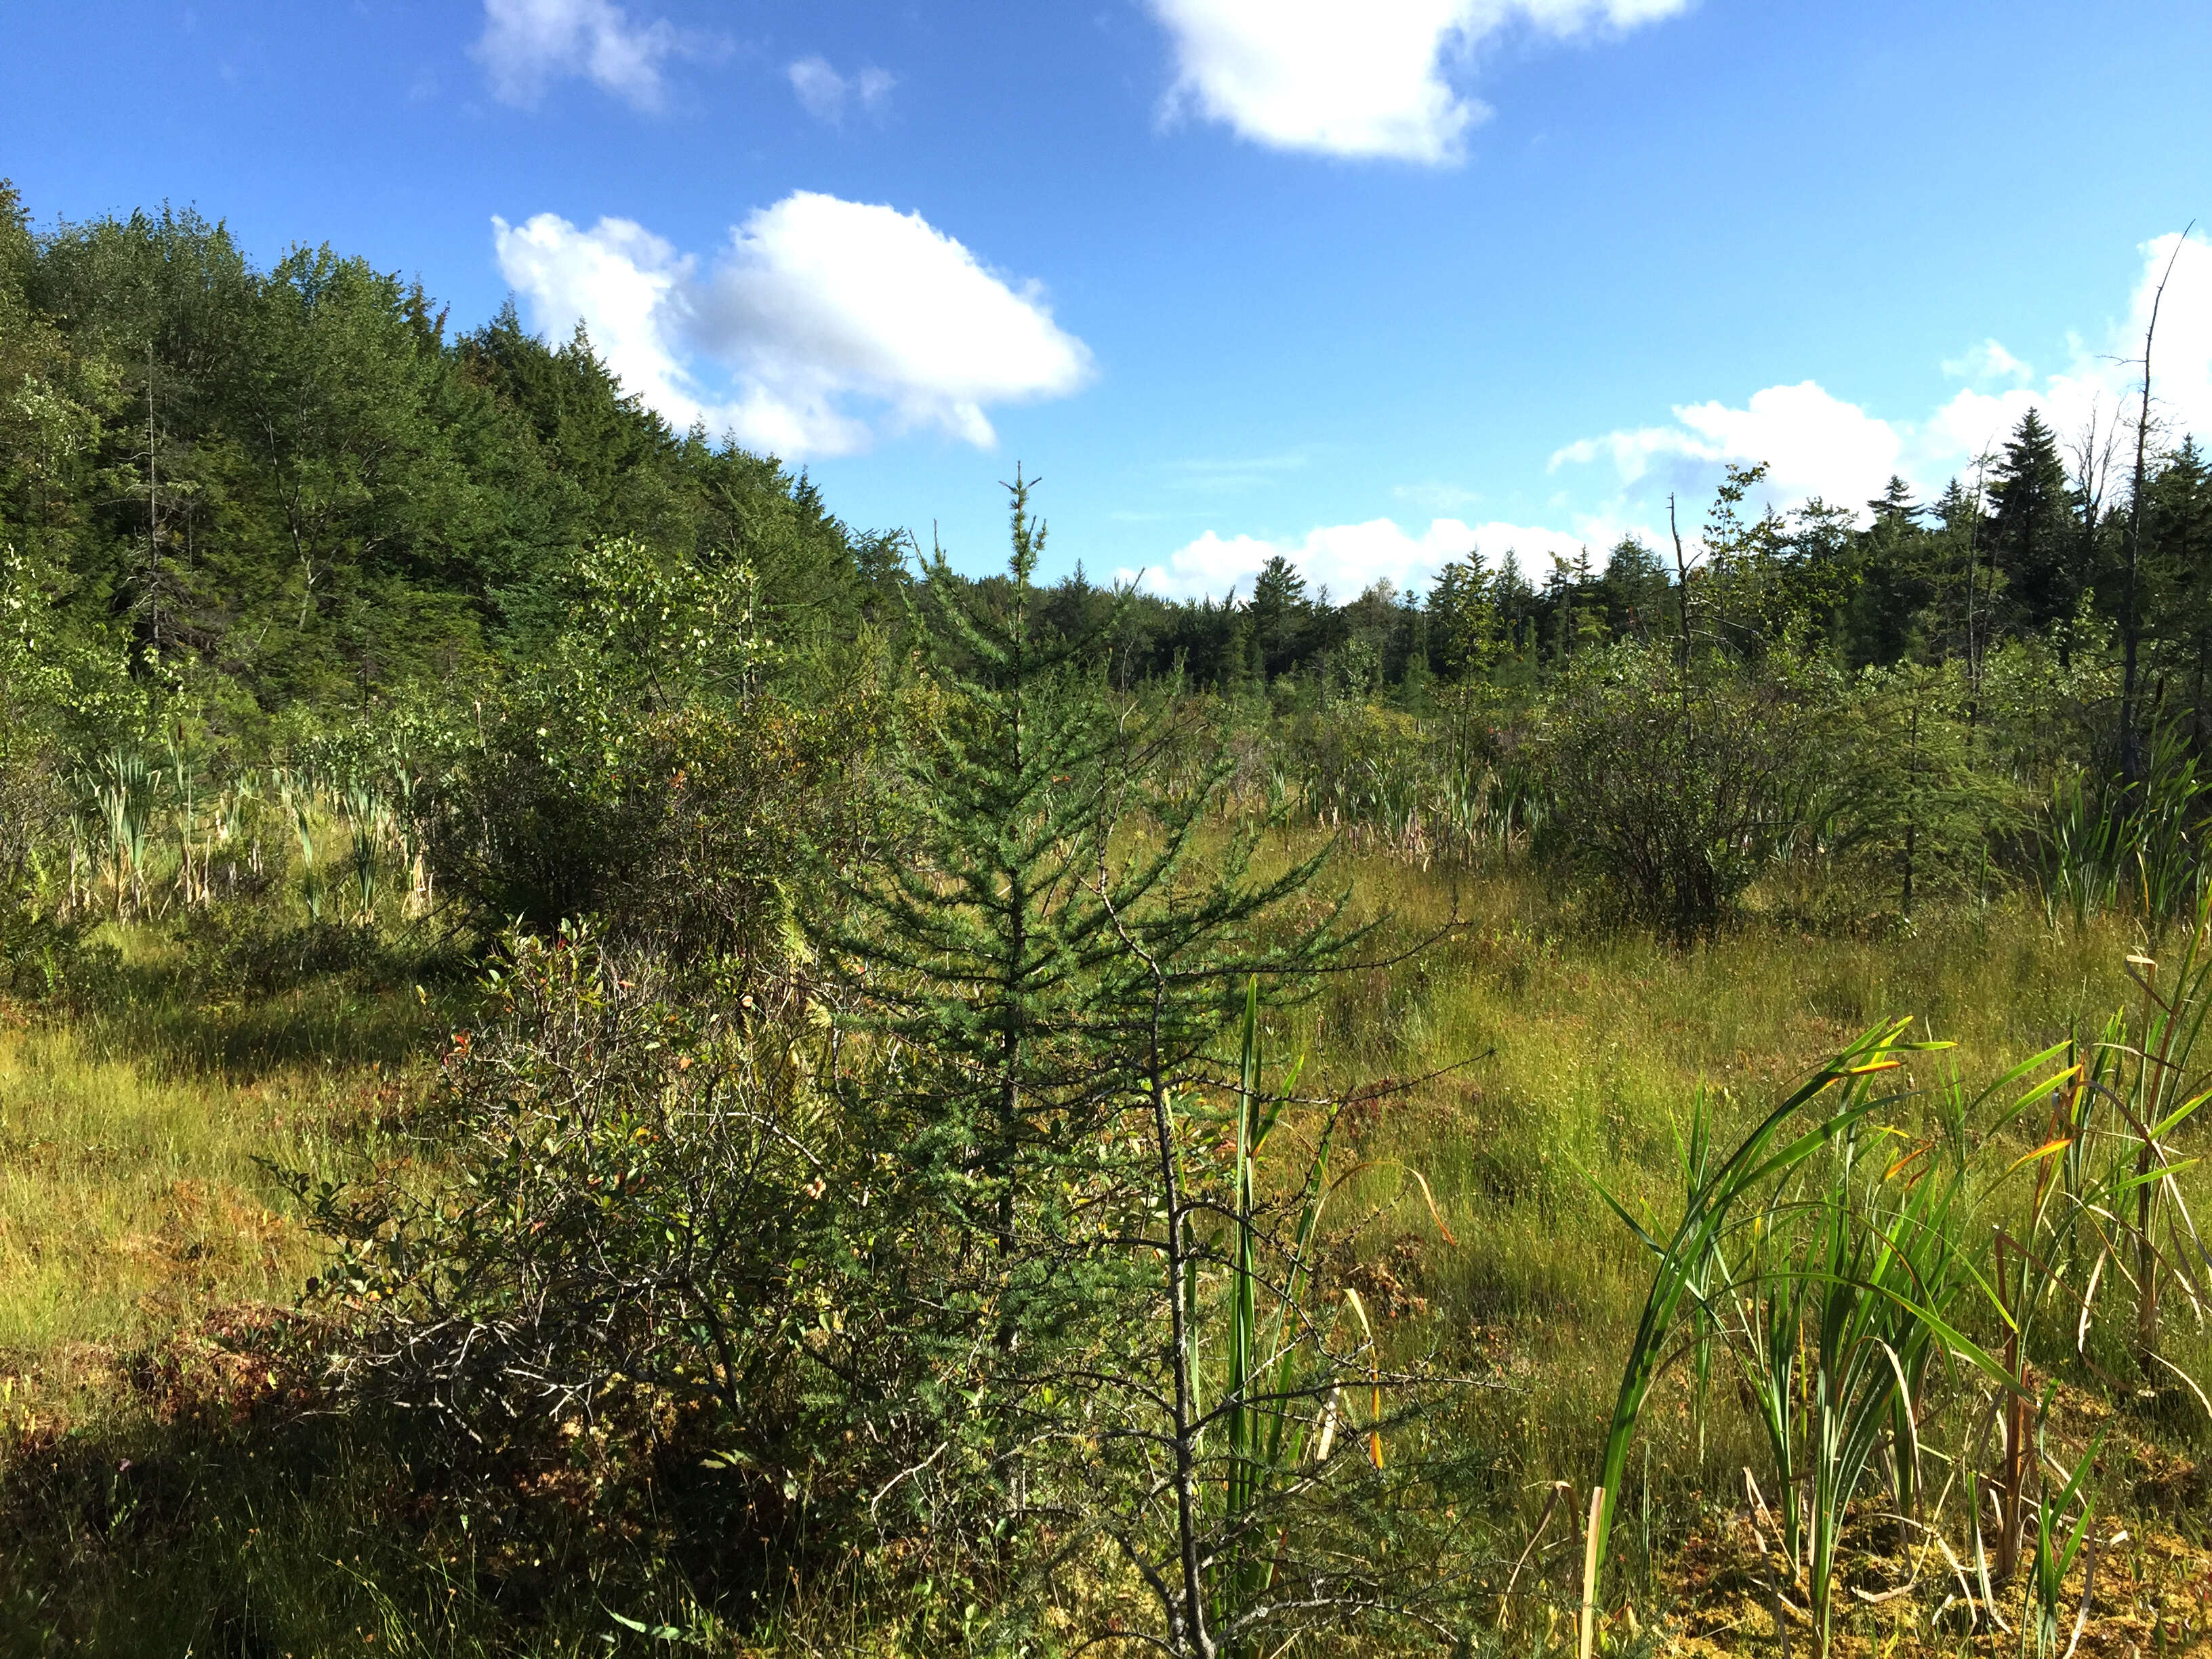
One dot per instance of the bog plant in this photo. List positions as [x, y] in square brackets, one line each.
[643, 1209]
[1881, 1287]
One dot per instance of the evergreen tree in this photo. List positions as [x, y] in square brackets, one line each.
[1895, 504]
[1463, 623]
[1240, 668]
[1637, 593]
[2178, 552]
[297, 494]
[1515, 602]
[986, 941]
[1280, 615]
[1895, 567]
[1031, 965]
[2034, 538]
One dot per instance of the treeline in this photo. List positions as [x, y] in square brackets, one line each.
[2039, 543]
[297, 489]
[283, 534]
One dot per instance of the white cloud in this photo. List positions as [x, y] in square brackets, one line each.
[823, 93]
[1815, 444]
[816, 305]
[527, 45]
[2105, 387]
[625, 284]
[1812, 444]
[1989, 361]
[1349, 558]
[2181, 363]
[1367, 81]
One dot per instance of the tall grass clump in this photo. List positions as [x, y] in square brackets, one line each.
[1896, 1275]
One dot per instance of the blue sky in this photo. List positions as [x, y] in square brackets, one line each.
[1374, 283]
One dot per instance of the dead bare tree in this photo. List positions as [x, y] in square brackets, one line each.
[1681, 578]
[2131, 609]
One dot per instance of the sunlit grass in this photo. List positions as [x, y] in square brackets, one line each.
[1586, 1049]
[130, 1203]
[133, 1201]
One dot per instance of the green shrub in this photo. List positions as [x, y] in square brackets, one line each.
[643, 773]
[620, 1231]
[1670, 790]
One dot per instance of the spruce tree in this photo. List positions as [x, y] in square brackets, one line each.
[1280, 614]
[1895, 504]
[2178, 534]
[1895, 566]
[1052, 925]
[2034, 537]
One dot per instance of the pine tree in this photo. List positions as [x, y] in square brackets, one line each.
[1462, 621]
[1635, 590]
[1515, 602]
[1240, 665]
[2033, 536]
[2177, 538]
[1895, 504]
[1895, 565]
[1280, 613]
[986, 940]
[1046, 935]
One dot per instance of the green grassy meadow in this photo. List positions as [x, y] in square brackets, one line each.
[170, 1482]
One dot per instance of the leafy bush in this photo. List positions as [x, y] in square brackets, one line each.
[695, 831]
[1910, 796]
[635, 1228]
[1669, 790]
[643, 774]
[47, 687]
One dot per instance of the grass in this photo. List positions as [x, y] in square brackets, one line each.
[136, 1217]
[132, 1203]
[134, 1137]
[1592, 1050]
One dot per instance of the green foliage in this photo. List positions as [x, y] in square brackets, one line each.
[294, 479]
[641, 771]
[1275, 1428]
[2036, 539]
[2140, 849]
[1767, 581]
[1052, 955]
[1669, 789]
[639, 1217]
[1911, 794]
[1692, 1263]
[1897, 1290]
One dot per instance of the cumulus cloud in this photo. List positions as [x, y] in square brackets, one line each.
[527, 44]
[819, 322]
[824, 93]
[2104, 386]
[1812, 444]
[1985, 362]
[1816, 444]
[1370, 80]
[1349, 558]
[623, 283]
